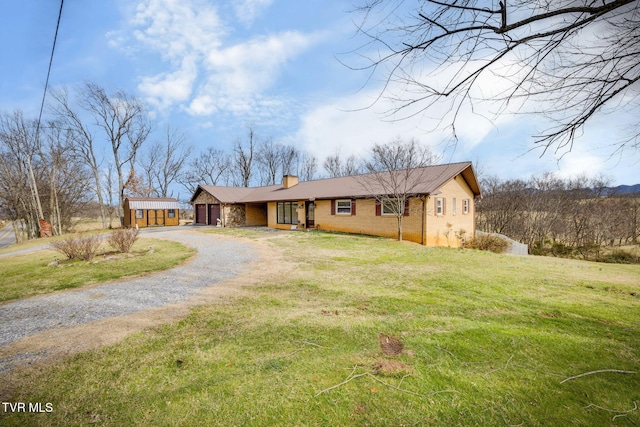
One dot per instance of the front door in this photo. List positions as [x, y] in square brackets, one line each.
[310, 214]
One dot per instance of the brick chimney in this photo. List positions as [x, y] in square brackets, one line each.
[289, 181]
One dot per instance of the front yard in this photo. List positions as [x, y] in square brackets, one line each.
[480, 339]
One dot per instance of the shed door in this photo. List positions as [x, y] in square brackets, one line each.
[201, 214]
[151, 217]
[214, 214]
[159, 217]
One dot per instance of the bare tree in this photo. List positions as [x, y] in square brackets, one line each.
[336, 166]
[124, 122]
[394, 171]
[163, 163]
[44, 163]
[308, 167]
[211, 167]
[243, 157]
[268, 161]
[83, 146]
[21, 148]
[289, 157]
[567, 60]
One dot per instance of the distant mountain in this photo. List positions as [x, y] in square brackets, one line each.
[625, 189]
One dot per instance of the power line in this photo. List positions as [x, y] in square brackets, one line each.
[46, 84]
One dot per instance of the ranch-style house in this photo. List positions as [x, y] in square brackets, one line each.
[438, 210]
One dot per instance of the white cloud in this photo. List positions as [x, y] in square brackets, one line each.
[165, 89]
[203, 74]
[247, 10]
[338, 126]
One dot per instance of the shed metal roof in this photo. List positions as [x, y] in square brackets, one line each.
[152, 203]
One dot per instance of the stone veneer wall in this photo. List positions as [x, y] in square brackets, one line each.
[235, 216]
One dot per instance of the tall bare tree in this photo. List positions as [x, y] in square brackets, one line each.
[211, 167]
[125, 124]
[394, 171]
[21, 150]
[568, 60]
[164, 161]
[84, 145]
[43, 163]
[308, 167]
[268, 160]
[336, 166]
[243, 158]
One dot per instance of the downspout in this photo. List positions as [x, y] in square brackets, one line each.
[424, 220]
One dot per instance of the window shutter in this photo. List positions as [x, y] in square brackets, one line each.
[406, 207]
[333, 207]
[435, 206]
[378, 208]
[444, 206]
[353, 206]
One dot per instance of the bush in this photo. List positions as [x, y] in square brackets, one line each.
[620, 256]
[83, 248]
[487, 243]
[123, 239]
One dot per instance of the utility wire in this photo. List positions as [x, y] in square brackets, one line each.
[46, 84]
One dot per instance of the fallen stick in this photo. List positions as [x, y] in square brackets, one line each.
[617, 371]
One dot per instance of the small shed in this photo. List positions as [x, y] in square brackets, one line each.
[151, 212]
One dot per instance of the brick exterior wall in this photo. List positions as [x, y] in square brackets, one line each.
[256, 215]
[365, 220]
[446, 229]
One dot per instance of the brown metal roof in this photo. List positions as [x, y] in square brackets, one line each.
[431, 178]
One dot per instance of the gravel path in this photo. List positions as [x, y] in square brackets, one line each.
[217, 259]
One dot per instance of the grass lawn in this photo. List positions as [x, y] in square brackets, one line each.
[487, 340]
[28, 274]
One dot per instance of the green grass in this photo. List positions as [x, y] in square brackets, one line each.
[28, 274]
[487, 341]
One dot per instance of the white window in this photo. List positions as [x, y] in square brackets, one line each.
[465, 206]
[139, 213]
[392, 207]
[343, 207]
[454, 208]
[439, 206]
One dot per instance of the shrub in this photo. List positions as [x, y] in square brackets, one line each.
[123, 239]
[487, 243]
[620, 256]
[78, 247]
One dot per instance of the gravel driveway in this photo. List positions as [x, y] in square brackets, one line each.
[217, 259]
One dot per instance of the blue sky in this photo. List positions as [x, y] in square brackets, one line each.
[212, 68]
